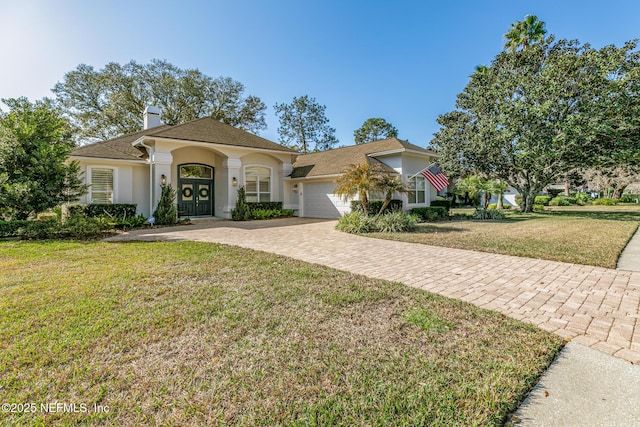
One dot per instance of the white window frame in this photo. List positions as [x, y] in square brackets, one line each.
[416, 191]
[114, 171]
[244, 180]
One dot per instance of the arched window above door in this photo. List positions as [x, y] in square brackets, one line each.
[194, 171]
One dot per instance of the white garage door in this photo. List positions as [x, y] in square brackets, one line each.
[318, 201]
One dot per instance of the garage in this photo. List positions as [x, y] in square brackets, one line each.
[318, 201]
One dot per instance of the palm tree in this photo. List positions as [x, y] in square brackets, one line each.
[471, 186]
[524, 33]
[498, 188]
[358, 180]
[389, 185]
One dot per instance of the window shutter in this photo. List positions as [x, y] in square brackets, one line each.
[101, 185]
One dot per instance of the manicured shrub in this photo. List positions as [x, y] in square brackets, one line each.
[488, 214]
[430, 213]
[375, 205]
[606, 201]
[542, 200]
[492, 206]
[267, 206]
[444, 203]
[241, 211]
[12, 228]
[271, 213]
[94, 210]
[538, 207]
[357, 222]
[582, 198]
[519, 199]
[559, 201]
[47, 229]
[630, 198]
[506, 206]
[166, 212]
[81, 227]
[76, 227]
[116, 210]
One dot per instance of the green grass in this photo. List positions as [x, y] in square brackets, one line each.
[581, 236]
[190, 333]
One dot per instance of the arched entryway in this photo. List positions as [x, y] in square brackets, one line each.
[195, 190]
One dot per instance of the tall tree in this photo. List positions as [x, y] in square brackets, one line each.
[107, 103]
[613, 180]
[304, 126]
[524, 33]
[373, 129]
[540, 112]
[35, 142]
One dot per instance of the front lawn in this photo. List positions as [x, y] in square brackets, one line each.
[193, 333]
[591, 236]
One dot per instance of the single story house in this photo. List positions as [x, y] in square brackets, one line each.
[206, 161]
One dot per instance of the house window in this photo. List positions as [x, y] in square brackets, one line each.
[417, 190]
[257, 181]
[196, 171]
[101, 185]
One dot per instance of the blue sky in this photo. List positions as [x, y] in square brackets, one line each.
[404, 61]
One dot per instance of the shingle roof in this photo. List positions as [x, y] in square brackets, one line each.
[333, 162]
[206, 130]
[118, 148]
[211, 130]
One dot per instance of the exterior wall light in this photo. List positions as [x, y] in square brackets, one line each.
[295, 188]
[163, 179]
[234, 181]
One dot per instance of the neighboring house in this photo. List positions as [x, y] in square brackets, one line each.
[206, 161]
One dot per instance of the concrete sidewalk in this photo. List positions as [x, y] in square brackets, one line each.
[583, 387]
[630, 257]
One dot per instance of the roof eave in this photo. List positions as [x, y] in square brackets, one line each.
[110, 159]
[334, 175]
[402, 150]
[206, 144]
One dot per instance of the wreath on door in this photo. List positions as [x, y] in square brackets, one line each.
[204, 192]
[187, 192]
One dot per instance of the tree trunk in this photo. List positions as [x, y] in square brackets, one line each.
[617, 193]
[528, 198]
[386, 202]
[500, 195]
[364, 202]
[566, 185]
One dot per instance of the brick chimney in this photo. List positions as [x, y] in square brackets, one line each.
[151, 117]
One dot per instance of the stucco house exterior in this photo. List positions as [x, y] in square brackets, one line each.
[206, 161]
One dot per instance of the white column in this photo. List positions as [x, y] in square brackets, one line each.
[161, 165]
[234, 170]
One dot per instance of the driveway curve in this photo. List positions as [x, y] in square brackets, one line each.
[593, 306]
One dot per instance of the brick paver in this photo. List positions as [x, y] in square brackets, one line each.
[594, 306]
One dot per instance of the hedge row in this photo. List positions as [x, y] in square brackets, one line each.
[94, 210]
[374, 206]
[265, 206]
[430, 213]
[444, 203]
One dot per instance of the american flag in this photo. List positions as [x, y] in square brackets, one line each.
[436, 177]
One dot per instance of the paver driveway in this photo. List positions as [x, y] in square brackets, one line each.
[594, 306]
